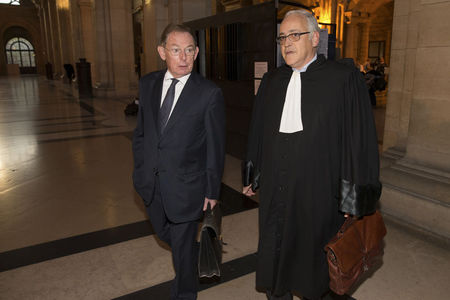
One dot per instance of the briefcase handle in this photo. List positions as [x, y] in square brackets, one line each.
[348, 222]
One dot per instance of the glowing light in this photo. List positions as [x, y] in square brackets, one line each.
[325, 14]
[63, 4]
[325, 19]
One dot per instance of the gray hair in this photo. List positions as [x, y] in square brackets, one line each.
[308, 17]
[175, 28]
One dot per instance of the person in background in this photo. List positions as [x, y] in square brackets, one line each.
[70, 72]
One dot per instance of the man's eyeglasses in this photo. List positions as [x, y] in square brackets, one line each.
[293, 37]
[189, 51]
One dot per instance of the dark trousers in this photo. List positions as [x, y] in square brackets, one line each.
[181, 238]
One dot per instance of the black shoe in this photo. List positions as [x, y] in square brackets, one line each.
[287, 296]
[333, 296]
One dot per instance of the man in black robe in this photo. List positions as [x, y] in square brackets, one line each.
[313, 153]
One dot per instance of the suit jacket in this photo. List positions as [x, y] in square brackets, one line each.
[189, 156]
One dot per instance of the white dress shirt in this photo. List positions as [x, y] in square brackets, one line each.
[291, 118]
[178, 88]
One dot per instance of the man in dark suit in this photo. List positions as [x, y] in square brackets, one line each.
[178, 148]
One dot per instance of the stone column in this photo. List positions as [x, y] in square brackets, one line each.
[57, 43]
[126, 80]
[46, 35]
[44, 42]
[401, 76]
[416, 164]
[75, 30]
[351, 40]
[155, 20]
[429, 129]
[88, 34]
[52, 34]
[115, 61]
[104, 54]
[60, 35]
[363, 48]
[65, 32]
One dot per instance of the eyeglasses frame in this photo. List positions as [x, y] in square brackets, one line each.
[184, 50]
[291, 36]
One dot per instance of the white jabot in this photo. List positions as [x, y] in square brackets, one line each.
[291, 118]
[178, 88]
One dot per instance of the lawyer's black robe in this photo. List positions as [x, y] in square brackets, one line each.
[309, 178]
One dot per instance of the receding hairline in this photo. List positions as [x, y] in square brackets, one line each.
[180, 28]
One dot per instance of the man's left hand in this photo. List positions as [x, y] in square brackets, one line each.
[212, 202]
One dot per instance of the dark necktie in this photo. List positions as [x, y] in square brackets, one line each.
[166, 107]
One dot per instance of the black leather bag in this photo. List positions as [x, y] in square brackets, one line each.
[210, 252]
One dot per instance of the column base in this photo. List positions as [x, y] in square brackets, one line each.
[417, 195]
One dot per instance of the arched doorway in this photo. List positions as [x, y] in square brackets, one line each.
[20, 51]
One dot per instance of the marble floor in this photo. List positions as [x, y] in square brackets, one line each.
[72, 227]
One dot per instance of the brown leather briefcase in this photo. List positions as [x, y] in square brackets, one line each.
[354, 250]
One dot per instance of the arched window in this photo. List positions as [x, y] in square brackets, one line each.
[20, 51]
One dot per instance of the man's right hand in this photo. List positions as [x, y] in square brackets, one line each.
[247, 190]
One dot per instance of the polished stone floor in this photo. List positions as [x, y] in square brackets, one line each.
[72, 227]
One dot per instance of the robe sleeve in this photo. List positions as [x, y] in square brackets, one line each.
[360, 188]
[252, 164]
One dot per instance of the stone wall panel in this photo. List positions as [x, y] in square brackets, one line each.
[432, 73]
[397, 69]
[401, 7]
[413, 30]
[399, 32]
[435, 25]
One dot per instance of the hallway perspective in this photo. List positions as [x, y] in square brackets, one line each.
[72, 226]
